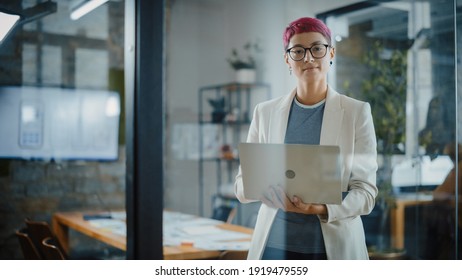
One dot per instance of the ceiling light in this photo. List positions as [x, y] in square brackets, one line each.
[8, 21]
[85, 7]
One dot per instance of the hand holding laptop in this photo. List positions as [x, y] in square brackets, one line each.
[276, 197]
[310, 172]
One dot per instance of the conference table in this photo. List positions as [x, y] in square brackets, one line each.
[173, 249]
[185, 236]
[398, 218]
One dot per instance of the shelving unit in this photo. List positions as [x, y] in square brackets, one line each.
[228, 127]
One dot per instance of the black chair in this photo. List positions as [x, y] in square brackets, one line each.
[233, 255]
[38, 231]
[224, 213]
[41, 230]
[29, 250]
[50, 249]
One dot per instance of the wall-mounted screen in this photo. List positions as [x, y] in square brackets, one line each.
[59, 124]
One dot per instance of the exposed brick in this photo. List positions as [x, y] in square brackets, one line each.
[112, 169]
[28, 173]
[72, 202]
[4, 168]
[59, 187]
[36, 190]
[110, 187]
[33, 205]
[88, 186]
[6, 207]
[4, 186]
[113, 201]
[121, 184]
[72, 170]
[17, 190]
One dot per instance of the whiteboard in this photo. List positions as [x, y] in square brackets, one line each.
[59, 124]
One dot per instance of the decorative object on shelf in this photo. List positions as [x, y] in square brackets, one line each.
[246, 76]
[218, 113]
[244, 63]
[227, 152]
[233, 116]
[219, 137]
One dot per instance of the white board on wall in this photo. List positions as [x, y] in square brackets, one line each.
[59, 124]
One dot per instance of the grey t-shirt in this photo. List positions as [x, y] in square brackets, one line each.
[293, 231]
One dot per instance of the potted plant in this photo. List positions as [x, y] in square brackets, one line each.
[385, 90]
[218, 112]
[243, 62]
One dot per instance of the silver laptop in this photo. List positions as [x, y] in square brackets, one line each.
[312, 172]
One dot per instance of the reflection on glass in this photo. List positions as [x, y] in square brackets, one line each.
[407, 75]
[56, 64]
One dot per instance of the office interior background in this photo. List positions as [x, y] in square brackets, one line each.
[401, 56]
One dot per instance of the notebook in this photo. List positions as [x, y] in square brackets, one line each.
[312, 172]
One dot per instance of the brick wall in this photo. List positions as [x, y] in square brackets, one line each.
[38, 189]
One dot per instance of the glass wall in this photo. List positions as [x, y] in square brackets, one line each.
[200, 157]
[404, 58]
[56, 77]
[400, 56]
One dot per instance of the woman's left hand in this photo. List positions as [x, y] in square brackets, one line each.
[277, 198]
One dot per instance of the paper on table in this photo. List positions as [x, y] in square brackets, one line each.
[236, 245]
[176, 216]
[226, 236]
[179, 228]
[201, 230]
[112, 225]
[119, 215]
[207, 244]
[203, 233]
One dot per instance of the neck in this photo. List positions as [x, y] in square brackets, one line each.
[311, 93]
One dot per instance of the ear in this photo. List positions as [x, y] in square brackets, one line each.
[286, 58]
[332, 53]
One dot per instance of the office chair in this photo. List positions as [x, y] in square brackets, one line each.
[50, 249]
[233, 255]
[29, 251]
[224, 213]
[38, 231]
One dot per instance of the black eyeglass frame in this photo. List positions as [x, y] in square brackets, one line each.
[309, 49]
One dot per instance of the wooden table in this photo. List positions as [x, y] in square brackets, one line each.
[397, 215]
[63, 221]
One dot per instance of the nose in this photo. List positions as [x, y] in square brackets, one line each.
[308, 57]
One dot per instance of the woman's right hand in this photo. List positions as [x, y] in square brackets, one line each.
[275, 197]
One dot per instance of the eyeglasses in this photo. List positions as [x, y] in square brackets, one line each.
[317, 51]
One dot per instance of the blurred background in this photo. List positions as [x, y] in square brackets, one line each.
[62, 110]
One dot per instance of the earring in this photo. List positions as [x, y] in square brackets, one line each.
[331, 63]
[290, 70]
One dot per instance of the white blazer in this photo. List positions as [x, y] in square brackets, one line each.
[347, 123]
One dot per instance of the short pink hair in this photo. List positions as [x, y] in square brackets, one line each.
[306, 24]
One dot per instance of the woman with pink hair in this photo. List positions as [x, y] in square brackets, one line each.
[314, 114]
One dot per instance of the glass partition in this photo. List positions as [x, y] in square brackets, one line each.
[400, 56]
[458, 135]
[403, 54]
[54, 74]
